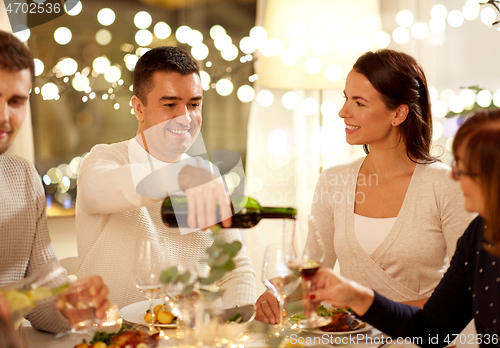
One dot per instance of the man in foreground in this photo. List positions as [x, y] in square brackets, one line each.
[25, 244]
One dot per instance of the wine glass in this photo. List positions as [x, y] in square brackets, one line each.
[307, 266]
[189, 300]
[276, 275]
[46, 281]
[79, 306]
[179, 275]
[149, 261]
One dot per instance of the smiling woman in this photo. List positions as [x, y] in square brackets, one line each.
[401, 83]
[387, 110]
[368, 119]
[470, 288]
[385, 234]
[476, 148]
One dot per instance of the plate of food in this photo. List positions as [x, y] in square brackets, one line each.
[138, 313]
[343, 322]
[122, 338]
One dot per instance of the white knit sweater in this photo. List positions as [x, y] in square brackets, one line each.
[111, 216]
[412, 259]
[24, 238]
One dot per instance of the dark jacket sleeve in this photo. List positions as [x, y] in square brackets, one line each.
[447, 311]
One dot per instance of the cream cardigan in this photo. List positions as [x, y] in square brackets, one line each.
[111, 216]
[412, 259]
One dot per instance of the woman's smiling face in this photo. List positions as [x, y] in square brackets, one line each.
[367, 118]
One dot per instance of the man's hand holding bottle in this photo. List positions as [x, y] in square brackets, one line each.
[203, 192]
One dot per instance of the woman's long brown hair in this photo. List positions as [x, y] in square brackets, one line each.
[400, 80]
[479, 136]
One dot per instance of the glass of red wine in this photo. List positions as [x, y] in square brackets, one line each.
[307, 265]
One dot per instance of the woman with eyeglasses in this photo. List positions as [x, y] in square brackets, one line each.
[471, 286]
[392, 218]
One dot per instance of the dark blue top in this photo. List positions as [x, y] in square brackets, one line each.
[469, 289]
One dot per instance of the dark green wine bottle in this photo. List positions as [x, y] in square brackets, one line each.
[247, 212]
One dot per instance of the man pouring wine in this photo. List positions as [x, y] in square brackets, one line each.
[121, 186]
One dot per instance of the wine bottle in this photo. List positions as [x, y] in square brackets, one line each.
[247, 212]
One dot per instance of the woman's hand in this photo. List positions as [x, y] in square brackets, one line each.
[99, 294]
[339, 291]
[268, 310]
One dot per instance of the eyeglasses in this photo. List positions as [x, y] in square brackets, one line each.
[457, 173]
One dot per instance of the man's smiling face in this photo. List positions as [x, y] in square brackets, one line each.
[14, 95]
[171, 117]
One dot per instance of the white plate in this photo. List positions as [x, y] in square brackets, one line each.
[368, 327]
[135, 312]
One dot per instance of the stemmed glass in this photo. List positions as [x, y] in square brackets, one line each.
[79, 306]
[277, 277]
[189, 300]
[149, 261]
[185, 272]
[307, 266]
[48, 280]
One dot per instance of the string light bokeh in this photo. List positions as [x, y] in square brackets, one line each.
[109, 81]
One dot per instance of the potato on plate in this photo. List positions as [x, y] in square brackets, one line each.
[162, 315]
[157, 309]
[165, 317]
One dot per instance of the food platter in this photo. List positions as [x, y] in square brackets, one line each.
[368, 327]
[134, 313]
[342, 322]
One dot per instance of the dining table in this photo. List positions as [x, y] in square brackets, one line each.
[254, 337]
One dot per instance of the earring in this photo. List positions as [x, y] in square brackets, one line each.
[393, 123]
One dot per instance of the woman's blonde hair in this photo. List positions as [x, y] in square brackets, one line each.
[479, 136]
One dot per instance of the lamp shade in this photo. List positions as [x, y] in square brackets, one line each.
[313, 44]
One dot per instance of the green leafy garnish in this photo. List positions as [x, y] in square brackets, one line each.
[298, 317]
[358, 326]
[236, 318]
[322, 311]
[219, 259]
[101, 336]
[59, 289]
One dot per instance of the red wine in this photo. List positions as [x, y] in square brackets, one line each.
[308, 272]
[305, 268]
